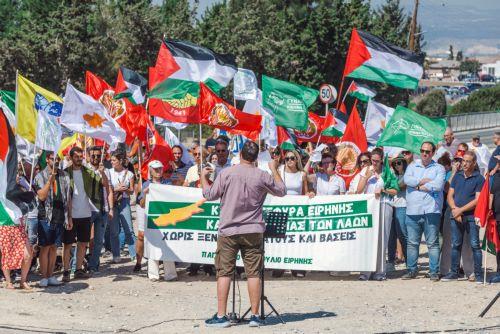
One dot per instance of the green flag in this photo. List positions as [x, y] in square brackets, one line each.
[8, 105]
[390, 180]
[288, 102]
[408, 129]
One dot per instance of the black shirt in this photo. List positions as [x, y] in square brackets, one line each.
[495, 191]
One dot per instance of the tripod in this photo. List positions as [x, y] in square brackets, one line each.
[275, 228]
[490, 305]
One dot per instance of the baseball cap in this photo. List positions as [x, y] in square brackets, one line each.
[155, 164]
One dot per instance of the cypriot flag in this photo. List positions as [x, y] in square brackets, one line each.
[82, 114]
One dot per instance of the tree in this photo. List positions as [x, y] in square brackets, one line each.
[433, 104]
[484, 99]
[471, 66]
[450, 53]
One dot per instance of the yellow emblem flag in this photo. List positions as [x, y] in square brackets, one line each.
[29, 98]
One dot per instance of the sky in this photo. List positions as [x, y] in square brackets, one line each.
[472, 26]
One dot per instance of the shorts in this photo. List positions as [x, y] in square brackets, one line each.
[79, 233]
[49, 234]
[32, 229]
[250, 246]
[140, 216]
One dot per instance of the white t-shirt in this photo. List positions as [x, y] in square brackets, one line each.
[329, 185]
[374, 183]
[123, 177]
[80, 205]
[293, 181]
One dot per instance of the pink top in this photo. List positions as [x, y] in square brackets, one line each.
[242, 189]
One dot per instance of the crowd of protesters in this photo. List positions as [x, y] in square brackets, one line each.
[85, 204]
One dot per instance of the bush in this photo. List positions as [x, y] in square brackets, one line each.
[485, 99]
[433, 104]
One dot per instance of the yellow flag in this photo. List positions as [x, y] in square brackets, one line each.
[67, 143]
[30, 98]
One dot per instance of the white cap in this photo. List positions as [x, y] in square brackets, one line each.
[155, 164]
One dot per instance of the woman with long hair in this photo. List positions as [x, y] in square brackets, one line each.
[293, 175]
[122, 181]
[363, 160]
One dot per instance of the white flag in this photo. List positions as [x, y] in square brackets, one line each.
[175, 125]
[82, 114]
[377, 116]
[48, 132]
[245, 85]
[268, 132]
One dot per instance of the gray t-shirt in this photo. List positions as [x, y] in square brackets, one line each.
[242, 189]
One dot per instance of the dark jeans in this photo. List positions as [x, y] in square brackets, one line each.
[457, 237]
[398, 232]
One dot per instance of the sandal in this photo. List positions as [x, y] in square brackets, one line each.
[9, 286]
[26, 287]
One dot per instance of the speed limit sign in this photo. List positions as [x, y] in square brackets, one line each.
[327, 93]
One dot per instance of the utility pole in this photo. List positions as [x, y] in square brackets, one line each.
[413, 27]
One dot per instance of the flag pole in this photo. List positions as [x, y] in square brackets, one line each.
[201, 149]
[33, 165]
[139, 159]
[485, 256]
[326, 114]
[22, 167]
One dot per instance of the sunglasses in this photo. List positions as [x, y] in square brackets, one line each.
[425, 151]
[276, 153]
[406, 152]
[196, 154]
[290, 159]
[365, 161]
[221, 151]
[463, 151]
[94, 156]
[398, 163]
[376, 161]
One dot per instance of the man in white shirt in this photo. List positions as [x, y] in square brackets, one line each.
[85, 186]
[482, 152]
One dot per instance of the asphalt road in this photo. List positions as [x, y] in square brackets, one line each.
[485, 134]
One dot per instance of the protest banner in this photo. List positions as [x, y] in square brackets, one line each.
[324, 233]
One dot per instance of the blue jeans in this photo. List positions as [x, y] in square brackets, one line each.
[428, 224]
[100, 221]
[32, 229]
[122, 217]
[398, 232]
[457, 238]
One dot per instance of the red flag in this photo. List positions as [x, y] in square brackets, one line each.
[95, 86]
[352, 144]
[156, 149]
[485, 216]
[314, 128]
[216, 112]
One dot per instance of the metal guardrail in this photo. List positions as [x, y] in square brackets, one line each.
[474, 121]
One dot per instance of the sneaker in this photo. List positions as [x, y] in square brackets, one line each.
[215, 321]
[450, 277]
[255, 321]
[66, 276]
[43, 283]
[495, 279]
[410, 275]
[117, 259]
[479, 279]
[54, 281]
[363, 277]
[80, 274]
[390, 267]
[434, 277]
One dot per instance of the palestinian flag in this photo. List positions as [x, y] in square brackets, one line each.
[216, 112]
[335, 122]
[179, 68]
[131, 85]
[9, 212]
[361, 92]
[371, 58]
[352, 144]
[8, 105]
[286, 139]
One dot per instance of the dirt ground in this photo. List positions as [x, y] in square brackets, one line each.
[119, 301]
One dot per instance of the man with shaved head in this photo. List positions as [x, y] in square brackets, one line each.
[449, 144]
